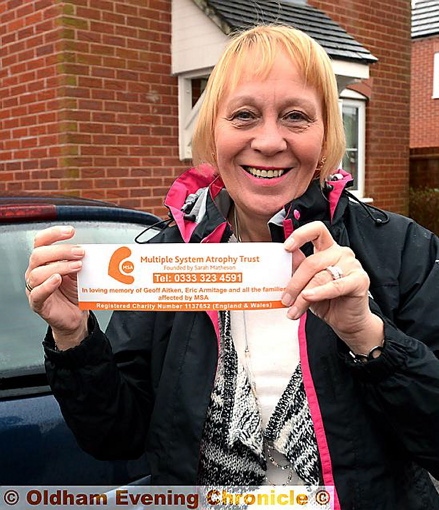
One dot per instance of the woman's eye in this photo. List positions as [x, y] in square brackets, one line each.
[296, 116]
[243, 115]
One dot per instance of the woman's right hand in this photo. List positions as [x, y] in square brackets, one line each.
[52, 276]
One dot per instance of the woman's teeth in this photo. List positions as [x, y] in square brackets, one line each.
[264, 174]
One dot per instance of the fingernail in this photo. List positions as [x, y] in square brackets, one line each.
[54, 278]
[293, 313]
[78, 251]
[308, 293]
[289, 243]
[287, 299]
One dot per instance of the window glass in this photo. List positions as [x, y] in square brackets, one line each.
[22, 331]
[353, 106]
[350, 159]
[197, 88]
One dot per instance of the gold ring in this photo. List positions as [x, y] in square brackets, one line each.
[335, 271]
[29, 286]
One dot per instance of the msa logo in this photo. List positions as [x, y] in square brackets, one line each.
[119, 267]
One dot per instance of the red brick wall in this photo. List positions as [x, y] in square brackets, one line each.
[88, 106]
[424, 121]
[384, 29]
[29, 88]
[424, 168]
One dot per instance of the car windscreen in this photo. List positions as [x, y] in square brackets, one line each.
[21, 330]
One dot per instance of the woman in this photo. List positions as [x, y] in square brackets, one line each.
[341, 389]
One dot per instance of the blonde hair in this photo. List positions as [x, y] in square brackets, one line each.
[261, 44]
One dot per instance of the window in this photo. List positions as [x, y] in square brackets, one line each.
[190, 90]
[436, 76]
[354, 113]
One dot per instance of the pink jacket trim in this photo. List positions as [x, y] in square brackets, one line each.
[322, 444]
[213, 316]
[190, 182]
[215, 237]
[337, 188]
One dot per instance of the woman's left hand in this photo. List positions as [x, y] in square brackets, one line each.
[338, 295]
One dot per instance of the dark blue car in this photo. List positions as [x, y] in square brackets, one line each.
[36, 446]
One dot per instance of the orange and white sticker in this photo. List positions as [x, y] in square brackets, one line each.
[183, 277]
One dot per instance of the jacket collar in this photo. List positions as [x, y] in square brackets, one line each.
[199, 204]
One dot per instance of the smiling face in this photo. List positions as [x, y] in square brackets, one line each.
[269, 135]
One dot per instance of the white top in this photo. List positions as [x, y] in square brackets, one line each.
[272, 342]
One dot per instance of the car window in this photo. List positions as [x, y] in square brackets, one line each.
[21, 330]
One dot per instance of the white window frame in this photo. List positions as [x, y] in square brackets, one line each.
[187, 114]
[351, 98]
[435, 76]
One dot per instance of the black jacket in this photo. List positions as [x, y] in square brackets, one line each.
[146, 385]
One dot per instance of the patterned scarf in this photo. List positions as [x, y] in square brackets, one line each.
[232, 447]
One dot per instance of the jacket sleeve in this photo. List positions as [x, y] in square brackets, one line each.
[402, 385]
[105, 396]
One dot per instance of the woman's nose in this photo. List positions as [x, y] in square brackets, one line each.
[268, 139]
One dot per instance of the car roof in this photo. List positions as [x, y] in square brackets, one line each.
[14, 198]
[35, 208]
